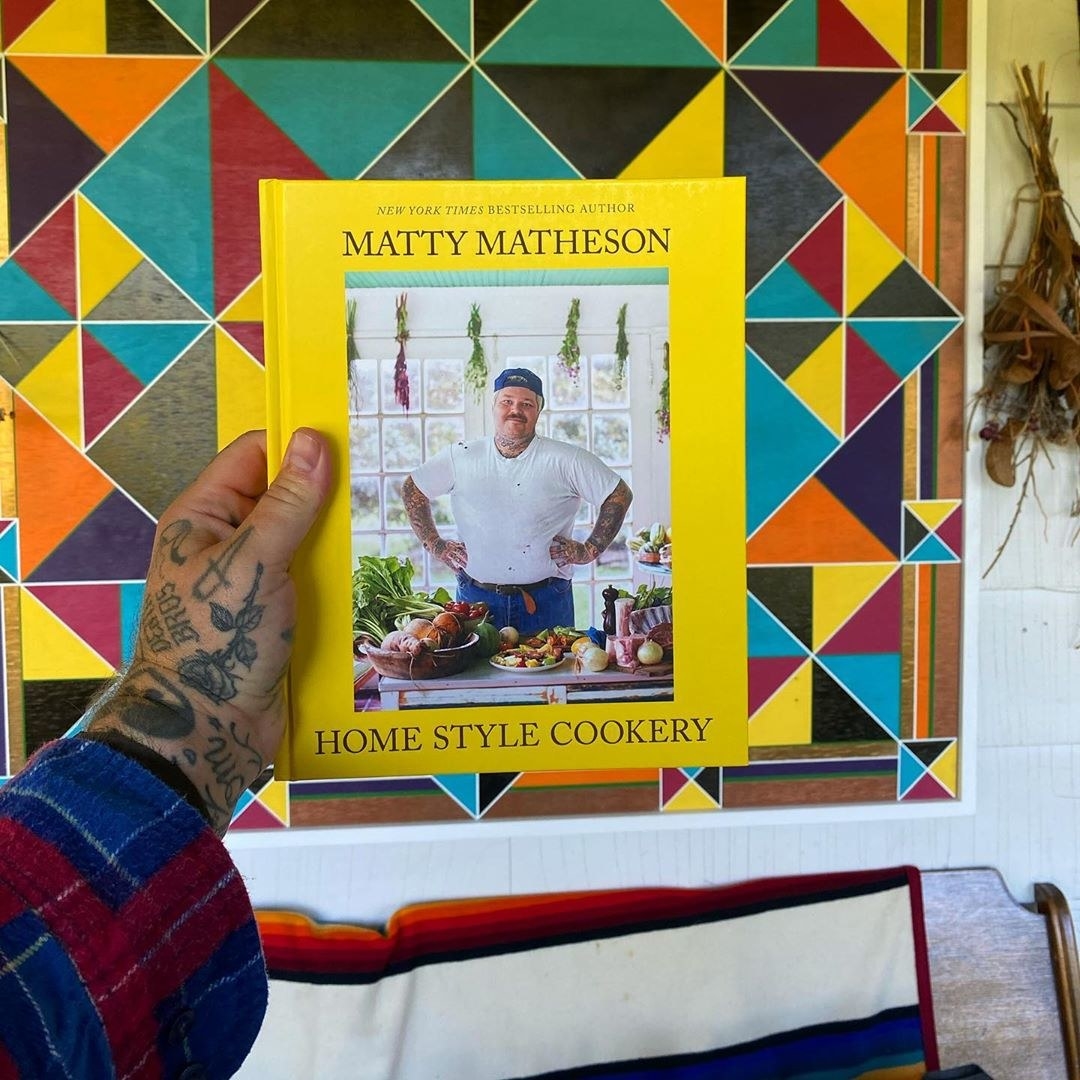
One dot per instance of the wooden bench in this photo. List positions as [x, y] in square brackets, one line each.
[1005, 978]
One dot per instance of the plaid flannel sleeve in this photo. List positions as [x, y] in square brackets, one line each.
[128, 946]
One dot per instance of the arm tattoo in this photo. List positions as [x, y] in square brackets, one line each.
[610, 517]
[418, 507]
[160, 710]
[234, 764]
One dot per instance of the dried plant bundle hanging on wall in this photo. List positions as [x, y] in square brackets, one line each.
[622, 348]
[1031, 380]
[476, 370]
[570, 350]
[401, 367]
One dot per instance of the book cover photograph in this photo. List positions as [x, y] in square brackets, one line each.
[534, 392]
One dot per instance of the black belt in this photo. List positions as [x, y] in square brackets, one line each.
[509, 590]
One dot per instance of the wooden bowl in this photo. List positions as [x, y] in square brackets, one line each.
[428, 665]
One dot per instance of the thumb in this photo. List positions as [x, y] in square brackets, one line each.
[289, 506]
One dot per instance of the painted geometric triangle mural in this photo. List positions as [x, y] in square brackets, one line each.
[133, 137]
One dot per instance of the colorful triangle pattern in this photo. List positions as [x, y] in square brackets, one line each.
[135, 132]
[927, 769]
[937, 102]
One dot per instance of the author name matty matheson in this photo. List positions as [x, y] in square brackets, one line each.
[503, 735]
[377, 243]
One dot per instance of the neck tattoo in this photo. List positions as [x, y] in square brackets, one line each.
[511, 448]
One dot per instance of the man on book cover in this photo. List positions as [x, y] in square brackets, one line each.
[514, 498]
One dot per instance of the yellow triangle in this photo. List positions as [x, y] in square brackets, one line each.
[54, 389]
[945, 768]
[66, 27]
[241, 390]
[784, 720]
[106, 256]
[886, 22]
[932, 512]
[51, 650]
[275, 797]
[690, 797]
[869, 257]
[247, 307]
[679, 150]
[953, 103]
[819, 381]
[839, 591]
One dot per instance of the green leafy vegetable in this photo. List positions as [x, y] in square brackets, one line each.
[382, 590]
[657, 596]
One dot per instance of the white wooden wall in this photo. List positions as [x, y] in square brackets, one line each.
[1025, 652]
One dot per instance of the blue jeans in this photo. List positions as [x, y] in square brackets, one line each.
[554, 605]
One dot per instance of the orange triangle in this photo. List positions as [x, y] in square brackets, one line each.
[107, 96]
[56, 486]
[870, 164]
[705, 19]
[813, 526]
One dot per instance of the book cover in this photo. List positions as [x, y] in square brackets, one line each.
[534, 393]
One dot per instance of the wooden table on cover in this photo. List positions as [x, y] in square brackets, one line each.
[483, 684]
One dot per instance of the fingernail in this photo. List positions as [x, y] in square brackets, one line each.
[303, 451]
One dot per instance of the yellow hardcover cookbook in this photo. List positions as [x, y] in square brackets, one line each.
[534, 392]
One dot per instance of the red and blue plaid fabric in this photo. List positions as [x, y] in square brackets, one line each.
[128, 947]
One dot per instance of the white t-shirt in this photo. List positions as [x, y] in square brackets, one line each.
[508, 510]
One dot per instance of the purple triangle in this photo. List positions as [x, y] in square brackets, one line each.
[866, 473]
[112, 543]
[818, 107]
[47, 155]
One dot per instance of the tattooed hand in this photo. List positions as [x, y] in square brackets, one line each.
[204, 687]
[564, 551]
[452, 552]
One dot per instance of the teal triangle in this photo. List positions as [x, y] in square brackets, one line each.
[9, 551]
[903, 343]
[146, 349]
[453, 18]
[506, 146]
[874, 680]
[911, 769]
[776, 466]
[131, 599]
[766, 636]
[606, 33]
[342, 113]
[156, 189]
[462, 788]
[785, 294]
[22, 299]
[242, 803]
[690, 771]
[931, 550]
[790, 40]
[189, 15]
[918, 100]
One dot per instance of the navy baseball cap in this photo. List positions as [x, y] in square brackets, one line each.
[519, 376]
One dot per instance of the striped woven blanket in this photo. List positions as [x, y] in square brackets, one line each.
[814, 977]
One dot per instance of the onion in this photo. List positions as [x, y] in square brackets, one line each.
[594, 659]
[650, 652]
[509, 636]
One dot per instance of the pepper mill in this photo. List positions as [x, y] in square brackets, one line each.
[610, 594]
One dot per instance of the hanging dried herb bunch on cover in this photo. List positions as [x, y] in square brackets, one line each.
[1031, 382]
[401, 367]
